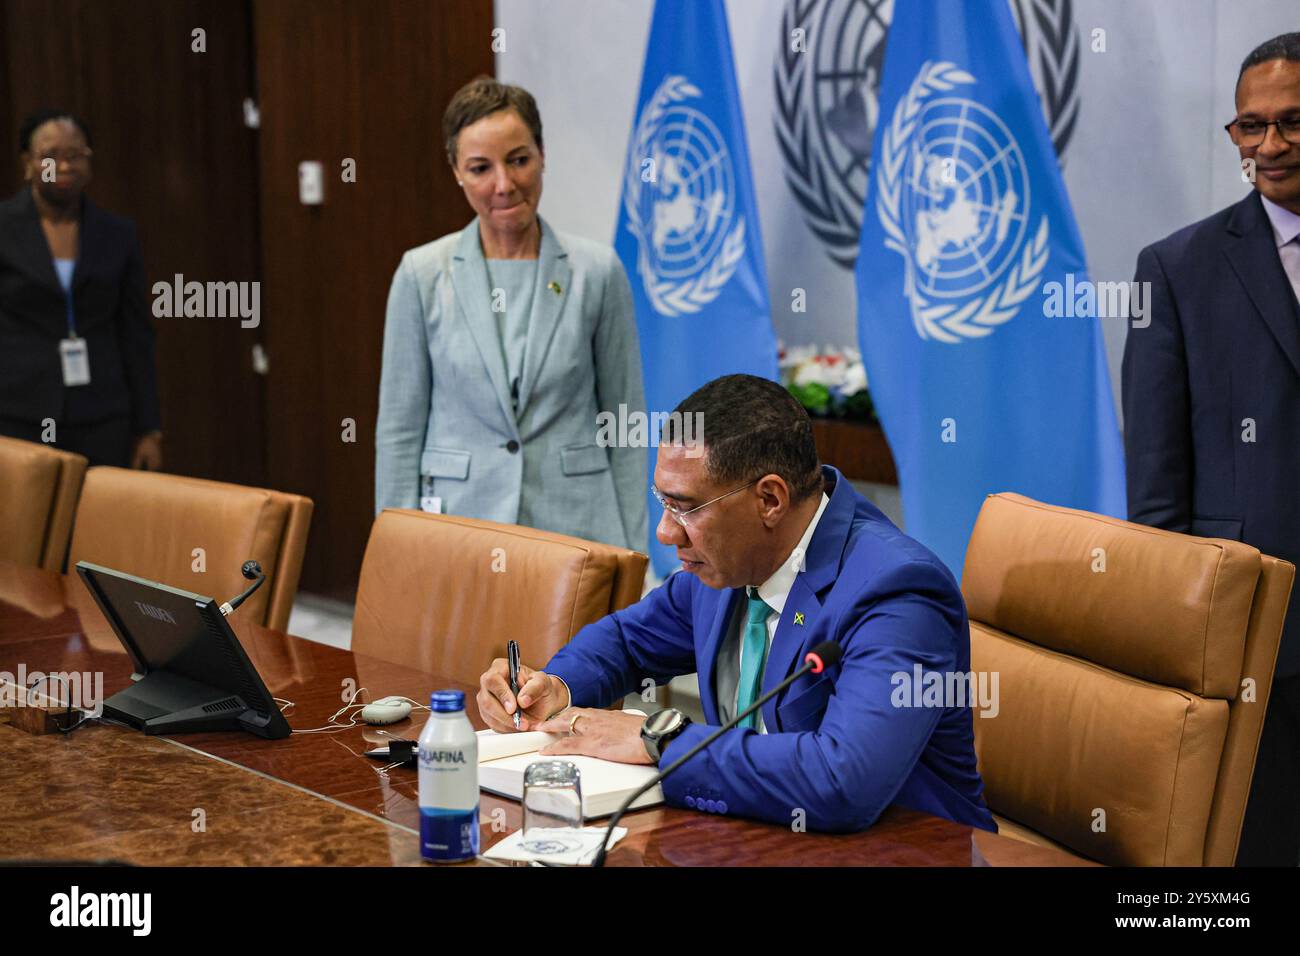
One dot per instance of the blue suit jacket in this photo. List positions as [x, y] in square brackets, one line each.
[836, 747]
[1223, 346]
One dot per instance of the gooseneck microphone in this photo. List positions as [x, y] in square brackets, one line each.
[823, 655]
[251, 570]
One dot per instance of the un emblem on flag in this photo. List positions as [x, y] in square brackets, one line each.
[679, 194]
[953, 200]
[827, 72]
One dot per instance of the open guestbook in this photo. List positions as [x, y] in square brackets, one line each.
[502, 759]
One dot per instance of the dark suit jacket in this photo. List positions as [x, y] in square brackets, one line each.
[108, 292]
[1223, 347]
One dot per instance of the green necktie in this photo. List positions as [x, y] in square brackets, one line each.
[753, 656]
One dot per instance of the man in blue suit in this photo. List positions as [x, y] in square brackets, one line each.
[1212, 399]
[778, 553]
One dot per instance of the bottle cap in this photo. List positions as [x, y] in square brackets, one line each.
[447, 701]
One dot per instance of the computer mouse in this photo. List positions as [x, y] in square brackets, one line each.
[386, 710]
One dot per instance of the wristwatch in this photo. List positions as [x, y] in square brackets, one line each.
[661, 729]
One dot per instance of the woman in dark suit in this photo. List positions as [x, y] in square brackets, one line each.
[76, 344]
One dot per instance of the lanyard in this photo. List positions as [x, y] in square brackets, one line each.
[67, 294]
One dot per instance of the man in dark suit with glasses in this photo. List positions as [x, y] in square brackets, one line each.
[1212, 398]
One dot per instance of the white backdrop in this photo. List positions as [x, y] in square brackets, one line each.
[1147, 156]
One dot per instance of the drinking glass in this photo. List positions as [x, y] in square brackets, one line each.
[552, 807]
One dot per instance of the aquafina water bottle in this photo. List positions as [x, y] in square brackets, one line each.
[448, 781]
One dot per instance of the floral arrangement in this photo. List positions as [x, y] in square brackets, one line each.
[830, 384]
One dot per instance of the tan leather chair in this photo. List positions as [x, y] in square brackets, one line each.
[1127, 659]
[150, 524]
[41, 484]
[444, 594]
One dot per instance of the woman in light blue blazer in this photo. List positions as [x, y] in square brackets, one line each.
[503, 344]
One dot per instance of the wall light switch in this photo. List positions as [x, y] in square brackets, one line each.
[311, 183]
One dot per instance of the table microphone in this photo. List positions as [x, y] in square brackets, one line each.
[250, 570]
[823, 655]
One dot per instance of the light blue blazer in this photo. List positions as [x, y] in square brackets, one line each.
[445, 408]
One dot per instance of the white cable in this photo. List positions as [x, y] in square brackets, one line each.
[332, 725]
[352, 718]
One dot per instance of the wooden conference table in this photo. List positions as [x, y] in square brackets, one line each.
[104, 792]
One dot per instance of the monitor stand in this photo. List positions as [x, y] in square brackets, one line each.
[165, 703]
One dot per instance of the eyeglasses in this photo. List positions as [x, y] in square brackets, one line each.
[69, 156]
[1251, 132]
[680, 516]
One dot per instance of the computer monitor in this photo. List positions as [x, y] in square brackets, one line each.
[192, 672]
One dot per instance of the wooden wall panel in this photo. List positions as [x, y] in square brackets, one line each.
[216, 201]
[367, 81]
[172, 153]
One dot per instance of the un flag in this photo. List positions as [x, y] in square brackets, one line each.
[688, 229]
[966, 222]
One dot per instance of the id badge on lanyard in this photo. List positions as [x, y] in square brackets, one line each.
[73, 354]
[76, 361]
[428, 500]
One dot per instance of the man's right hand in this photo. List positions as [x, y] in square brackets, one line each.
[540, 696]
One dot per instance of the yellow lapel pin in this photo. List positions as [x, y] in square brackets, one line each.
[555, 287]
[798, 617]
